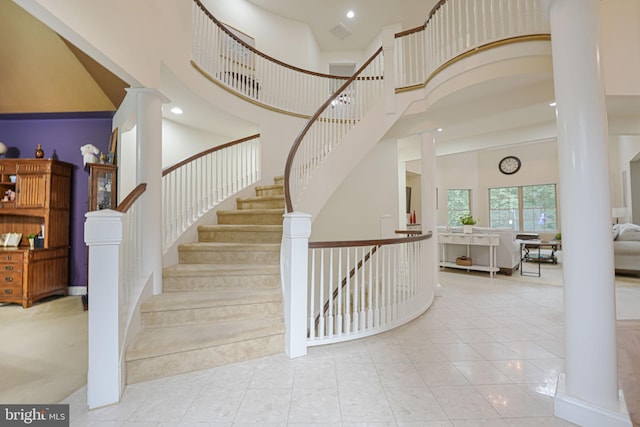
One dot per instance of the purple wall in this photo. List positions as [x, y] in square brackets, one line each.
[61, 136]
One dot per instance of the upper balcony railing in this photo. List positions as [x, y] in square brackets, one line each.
[227, 57]
[458, 27]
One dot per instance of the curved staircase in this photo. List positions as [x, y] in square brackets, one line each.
[222, 303]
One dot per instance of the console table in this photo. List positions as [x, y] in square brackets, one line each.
[491, 241]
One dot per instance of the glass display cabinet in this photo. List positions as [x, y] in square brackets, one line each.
[102, 186]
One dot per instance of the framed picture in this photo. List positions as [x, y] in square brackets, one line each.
[113, 145]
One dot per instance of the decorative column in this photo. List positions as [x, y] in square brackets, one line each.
[294, 261]
[587, 393]
[103, 234]
[149, 171]
[429, 219]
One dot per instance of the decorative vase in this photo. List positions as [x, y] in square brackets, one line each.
[32, 243]
[39, 152]
[467, 229]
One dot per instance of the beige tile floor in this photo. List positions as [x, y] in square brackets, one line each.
[486, 354]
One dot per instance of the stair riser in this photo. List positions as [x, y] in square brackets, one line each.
[207, 283]
[256, 204]
[268, 191]
[159, 319]
[240, 236]
[228, 257]
[249, 218]
[210, 357]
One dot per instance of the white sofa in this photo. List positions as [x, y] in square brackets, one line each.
[626, 248]
[507, 253]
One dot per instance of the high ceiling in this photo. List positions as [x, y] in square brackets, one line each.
[42, 72]
[370, 16]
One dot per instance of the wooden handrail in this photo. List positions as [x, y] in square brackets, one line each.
[423, 26]
[377, 242]
[434, 9]
[128, 201]
[311, 121]
[208, 151]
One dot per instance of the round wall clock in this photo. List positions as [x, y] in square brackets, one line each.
[509, 165]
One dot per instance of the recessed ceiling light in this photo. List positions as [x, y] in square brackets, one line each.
[351, 14]
[440, 129]
[552, 104]
[177, 110]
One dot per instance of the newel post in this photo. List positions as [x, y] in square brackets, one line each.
[103, 234]
[294, 262]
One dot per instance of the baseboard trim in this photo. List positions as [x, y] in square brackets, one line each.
[587, 414]
[76, 290]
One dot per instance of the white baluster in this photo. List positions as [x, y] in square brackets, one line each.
[312, 292]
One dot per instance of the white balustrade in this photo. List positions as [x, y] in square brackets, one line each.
[360, 289]
[334, 121]
[226, 59]
[460, 26]
[197, 186]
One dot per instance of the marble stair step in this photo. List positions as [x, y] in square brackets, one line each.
[195, 277]
[229, 253]
[246, 233]
[184, 308]
[251, 216]
[161, 352]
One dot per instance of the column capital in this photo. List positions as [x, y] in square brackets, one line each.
[148, 91]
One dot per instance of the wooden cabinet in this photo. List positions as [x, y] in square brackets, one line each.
[102, 186]
[35, 199]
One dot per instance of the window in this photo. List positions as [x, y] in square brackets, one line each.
[526, 208]
[458, 204]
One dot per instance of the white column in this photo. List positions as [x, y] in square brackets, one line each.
[294, 260]
[429, 215]
[588, 392]
[149, 170]
[103, 234]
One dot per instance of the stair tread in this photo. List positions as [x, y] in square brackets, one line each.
[261, 198]
[178, 339]
[271, 211]
[184, 300]
[241, 227]
[195, 270]
[229, 246]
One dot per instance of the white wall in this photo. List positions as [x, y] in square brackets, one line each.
[180, 142]
[370, 191]
[259, 24]
[620, 44]
[478, 171]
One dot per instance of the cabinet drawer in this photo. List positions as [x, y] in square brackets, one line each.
[10, 290]
[11, 258]
[10, 277]
[6, 268]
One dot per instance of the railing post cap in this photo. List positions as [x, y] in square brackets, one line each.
[297, 224]
[103, 227]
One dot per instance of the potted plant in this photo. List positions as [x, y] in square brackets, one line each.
[32, 240]
[467, 223]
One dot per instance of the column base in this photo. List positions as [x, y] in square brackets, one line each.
[437, 290]
[587, 414]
